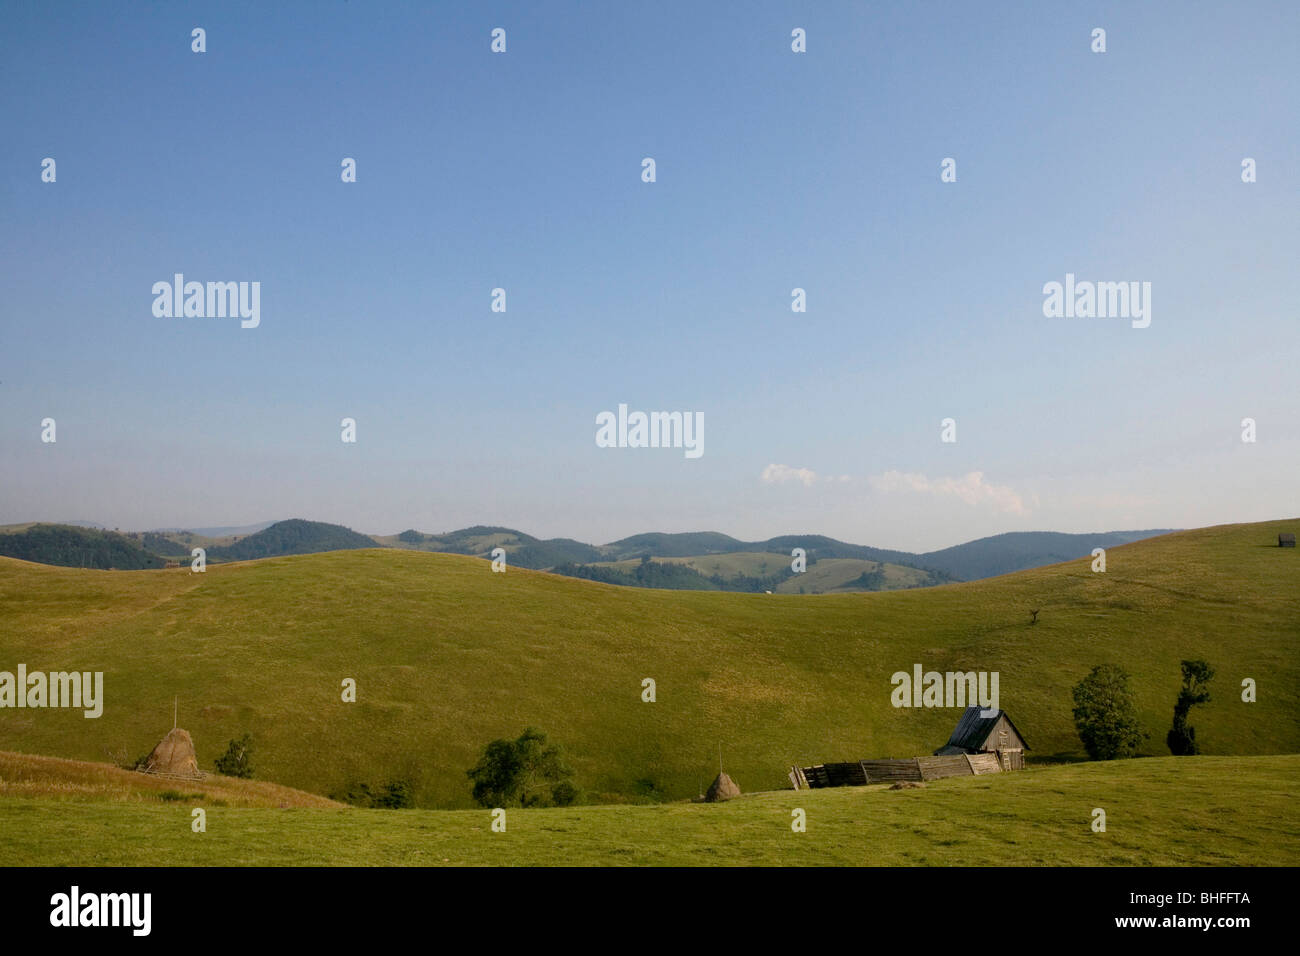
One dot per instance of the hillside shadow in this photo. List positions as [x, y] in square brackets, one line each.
[1059, 758]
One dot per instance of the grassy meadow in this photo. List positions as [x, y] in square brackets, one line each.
[448, 656]
[1190, 811]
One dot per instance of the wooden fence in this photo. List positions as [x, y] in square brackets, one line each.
[828, 775]
[891, 771]
[197, 775]
[916, 769]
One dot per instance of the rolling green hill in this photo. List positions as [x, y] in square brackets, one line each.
[757, 571]
[294, 536]
[681, 545]
[524, 550]
[838, 575]
[448, 656]
[1018, 550]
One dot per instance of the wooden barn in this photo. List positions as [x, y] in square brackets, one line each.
[997, 735]
[979, 745]
[1286, 540]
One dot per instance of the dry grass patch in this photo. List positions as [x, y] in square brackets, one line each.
[29, 776]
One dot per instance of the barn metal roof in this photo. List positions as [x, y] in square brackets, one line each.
[973, 730]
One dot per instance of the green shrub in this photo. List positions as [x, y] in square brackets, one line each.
[394, 795]
[237, 760]
[1104, 714]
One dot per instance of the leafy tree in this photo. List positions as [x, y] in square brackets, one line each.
[237, 760]
[528, 772]
[1104, 714]
[1181, 738]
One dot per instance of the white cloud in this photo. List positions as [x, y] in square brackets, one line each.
[971, 488]
[780, 474]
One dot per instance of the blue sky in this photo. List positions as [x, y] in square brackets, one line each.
[775, 170]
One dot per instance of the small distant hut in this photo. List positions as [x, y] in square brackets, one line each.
[1286, 540]
[997, 735]
[173, 757]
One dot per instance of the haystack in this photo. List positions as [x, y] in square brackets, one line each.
[173, 755]
[722, 788]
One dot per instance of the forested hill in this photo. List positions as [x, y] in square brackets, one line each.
[294, 536]
[74, 547]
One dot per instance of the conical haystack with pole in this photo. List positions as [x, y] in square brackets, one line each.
[174, 755]
[723, 787]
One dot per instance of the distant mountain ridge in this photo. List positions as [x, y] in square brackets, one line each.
[973, 560]
[224, 531]
[982, 558]
[1020, 550]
